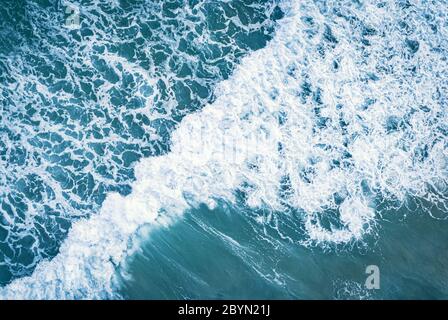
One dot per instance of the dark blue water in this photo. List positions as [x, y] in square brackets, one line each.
[81, 105]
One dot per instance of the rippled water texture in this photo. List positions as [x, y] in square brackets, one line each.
[332, 124]
[80, 106]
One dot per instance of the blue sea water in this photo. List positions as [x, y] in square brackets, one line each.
[81, 106]
[222, 254]
[223, 149]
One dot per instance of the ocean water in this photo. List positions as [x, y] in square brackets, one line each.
[204, 256]
[223, 149]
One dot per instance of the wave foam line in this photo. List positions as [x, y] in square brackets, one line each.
[339, 106]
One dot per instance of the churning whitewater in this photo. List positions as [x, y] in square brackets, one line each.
[343, 110]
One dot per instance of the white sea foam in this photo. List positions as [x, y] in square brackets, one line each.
[315, 121]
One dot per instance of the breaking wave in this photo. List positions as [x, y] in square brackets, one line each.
[342, 111]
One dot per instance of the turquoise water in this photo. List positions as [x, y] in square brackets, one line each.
[190, 149]
[222, 254]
